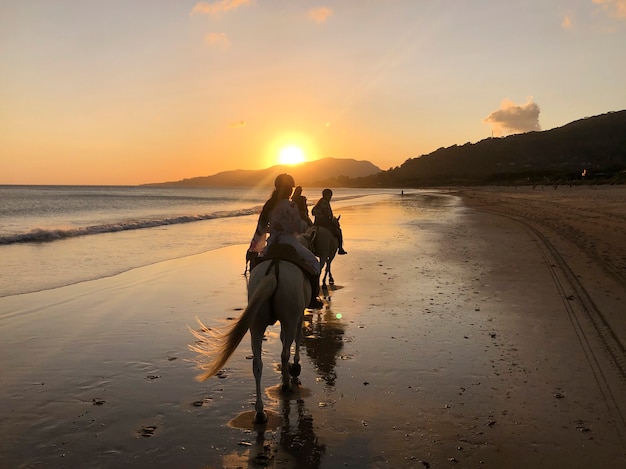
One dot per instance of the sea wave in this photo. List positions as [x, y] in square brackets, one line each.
[43, 235]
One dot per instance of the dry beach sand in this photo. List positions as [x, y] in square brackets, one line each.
[473, 328]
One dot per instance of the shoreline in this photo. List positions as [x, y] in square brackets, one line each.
[446, 342]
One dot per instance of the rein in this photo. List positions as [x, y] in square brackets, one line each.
[274, 262]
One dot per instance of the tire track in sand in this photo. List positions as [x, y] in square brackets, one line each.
[586, 318]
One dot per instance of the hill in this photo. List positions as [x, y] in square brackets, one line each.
[326, 171]
[594, 145]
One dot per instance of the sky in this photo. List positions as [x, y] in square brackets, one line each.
[131, 92]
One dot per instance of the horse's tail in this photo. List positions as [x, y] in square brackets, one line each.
[229, 341]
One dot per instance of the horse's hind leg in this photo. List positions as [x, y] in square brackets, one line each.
[295, 369]
[325, 272]
[287, 338]
[256, 334]
[331, 280]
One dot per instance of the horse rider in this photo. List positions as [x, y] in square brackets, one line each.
[300, 201]
[280, 218]
[323, 214]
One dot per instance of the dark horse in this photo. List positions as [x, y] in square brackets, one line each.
[324, 246]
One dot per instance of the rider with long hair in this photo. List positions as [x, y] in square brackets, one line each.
[280, 218]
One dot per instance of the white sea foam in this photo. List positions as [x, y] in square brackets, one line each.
[44, 235]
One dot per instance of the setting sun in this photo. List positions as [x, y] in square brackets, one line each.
[291, 155]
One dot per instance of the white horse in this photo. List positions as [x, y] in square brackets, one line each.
[277, 291]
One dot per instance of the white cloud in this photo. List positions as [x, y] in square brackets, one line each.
[320, 14]
[216, 8]
[615, 8]
[514, 118]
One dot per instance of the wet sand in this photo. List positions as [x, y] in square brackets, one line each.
[482, 331]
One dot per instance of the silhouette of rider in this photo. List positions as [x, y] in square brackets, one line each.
[300, 201]
[323, 214]
[281, 219]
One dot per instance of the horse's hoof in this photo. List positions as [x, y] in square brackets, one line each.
[260, 417]
[331, 281]
[295, 369]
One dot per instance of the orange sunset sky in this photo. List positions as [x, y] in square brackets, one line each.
[130, 92]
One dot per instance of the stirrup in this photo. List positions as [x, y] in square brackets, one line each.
[342, 251]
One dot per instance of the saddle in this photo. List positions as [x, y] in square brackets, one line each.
[284, 252]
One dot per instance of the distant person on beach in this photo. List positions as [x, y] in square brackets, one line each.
[323, 214]
[280, 218]
[300, 201]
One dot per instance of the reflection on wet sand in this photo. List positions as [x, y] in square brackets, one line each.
[259, 453]
[285, 440]
[323, 339]
[300, 441]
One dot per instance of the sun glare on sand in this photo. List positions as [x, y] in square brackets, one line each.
[291, 155]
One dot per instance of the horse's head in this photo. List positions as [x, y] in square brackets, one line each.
[305, 240]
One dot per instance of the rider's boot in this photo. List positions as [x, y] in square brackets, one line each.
[315, 302]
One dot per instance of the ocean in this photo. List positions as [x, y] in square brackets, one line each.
[52, 236]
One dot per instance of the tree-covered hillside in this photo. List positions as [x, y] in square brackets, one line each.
[590, 148]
